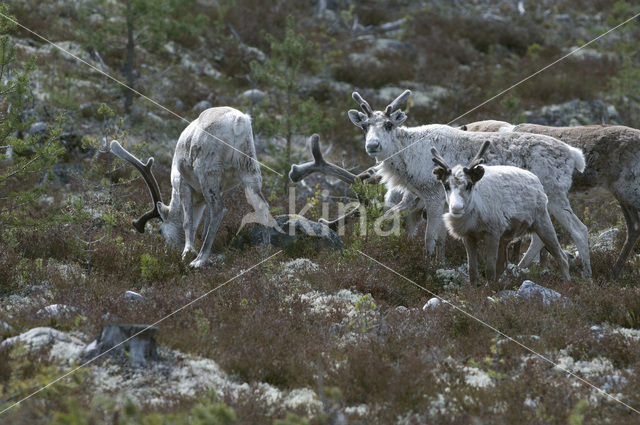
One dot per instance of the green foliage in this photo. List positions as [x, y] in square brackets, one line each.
[202, 323]
[288, 111]
[155, 21]
[133, 22]
[150, 267]
[291, 419]
[25, 159]
[30, 372]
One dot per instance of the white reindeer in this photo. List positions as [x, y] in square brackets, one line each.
[215, 151]
[404, 153]
[494, 204]
[612, 162]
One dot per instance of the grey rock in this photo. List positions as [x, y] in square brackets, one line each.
[402, 309]
[574, 112]
[432, 304]
[201, 106]
[613, 382]
[254, 96]
[530, 290]
[5, 327]
[606, 240]
[38, 128]
[179, 105]
[133, 296]
[38, 338]
[131, 344]
[296, 230]
[506, 294]
[57, 311]
[427, 97]
[251, 53]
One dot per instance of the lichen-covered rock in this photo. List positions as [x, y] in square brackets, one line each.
[133, 296]
[254, 96]
[432, 304]
[531, 291]
[201, 106]
[606, 240]
[296, 230]
[574, 112]
[61, 346]
[57, 311]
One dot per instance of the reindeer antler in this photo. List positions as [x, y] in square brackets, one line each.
[363, 103]
[478, 159]
[438, 160]
[397, 102]
[319, 165]
[147, 175]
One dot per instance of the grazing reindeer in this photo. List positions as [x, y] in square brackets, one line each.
[404, 153]
[214, 151]
[494, 204]
[612, 154]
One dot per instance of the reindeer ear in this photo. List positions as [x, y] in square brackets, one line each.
[474, 173]
[163, 211]
[398, 117]
[441, 174]
[357, 117]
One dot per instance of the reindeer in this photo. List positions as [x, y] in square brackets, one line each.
[494, 204]
[612, 155]
[404, 152]
[214, 151]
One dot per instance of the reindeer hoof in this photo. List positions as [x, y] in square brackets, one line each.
[201, 262]
[198, 263]
[186, 252]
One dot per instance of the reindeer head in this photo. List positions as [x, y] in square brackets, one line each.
[379, 126]
[459, 181]
[171, 226]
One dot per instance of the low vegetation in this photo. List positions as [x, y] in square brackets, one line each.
[336, 325]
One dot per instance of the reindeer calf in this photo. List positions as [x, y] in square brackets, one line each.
[495, 204]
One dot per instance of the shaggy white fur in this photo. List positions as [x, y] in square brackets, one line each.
[405, 158]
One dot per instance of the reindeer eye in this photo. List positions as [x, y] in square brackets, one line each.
[388, 126]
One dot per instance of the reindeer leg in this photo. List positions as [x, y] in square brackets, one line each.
[213, 199]
[544, 229]
[471, 246]
[560, 208]
[632, 218]
[502, 257]
[414, 218]
[188, 224]
[534, 249]
[261, 214]
[492, 248]
[434, 209]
